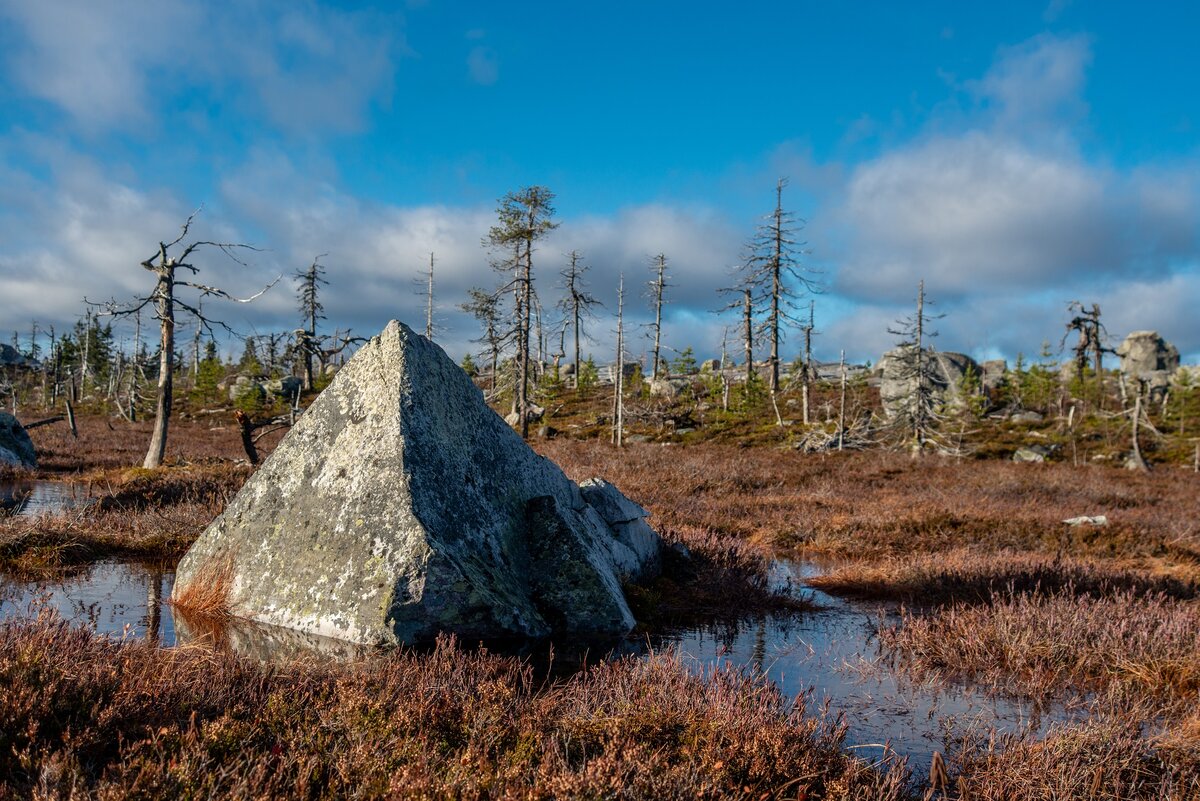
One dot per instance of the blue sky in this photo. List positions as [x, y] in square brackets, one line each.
[1016, 156]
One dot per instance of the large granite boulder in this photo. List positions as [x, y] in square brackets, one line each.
[1145, 352]
[400, 506]
[898, 380]
[16, 448]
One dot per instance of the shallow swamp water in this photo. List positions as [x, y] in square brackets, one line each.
[830, 657]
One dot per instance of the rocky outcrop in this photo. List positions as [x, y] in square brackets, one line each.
[16, 448]
[1145, 352]
[400, 506]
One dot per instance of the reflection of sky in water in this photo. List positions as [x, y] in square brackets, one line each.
[115, 599]
[32, 498]
[820, 653]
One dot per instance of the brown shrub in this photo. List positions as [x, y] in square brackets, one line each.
[115, 720]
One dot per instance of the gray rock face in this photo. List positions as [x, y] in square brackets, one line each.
[1146, 352]
[16, 448]
[401, 506]
[897, 382]
[710, 366]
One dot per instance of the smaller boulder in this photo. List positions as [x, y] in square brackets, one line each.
[710, 366]
[285, 387]
[16, 448]
[1034, 454]
[533, 413]
[246, 387]
[627, 521]
[1027, 416]
[663, 388]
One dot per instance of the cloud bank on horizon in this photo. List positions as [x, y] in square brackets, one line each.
[310, 128]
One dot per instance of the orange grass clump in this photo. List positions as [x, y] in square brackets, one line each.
[210, 591]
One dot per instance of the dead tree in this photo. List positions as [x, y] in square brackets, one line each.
[166, 302]
[842, 402]
[312, 311]
[429, 303]
[657, 287]
[806, 368]
[1090, 342]
[773, 271]
[619, 378]
[577, 303]
[917, 370]
[744, 303]
[485, 308]
[525, 217]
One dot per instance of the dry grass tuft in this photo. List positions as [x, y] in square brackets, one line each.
[210, 591]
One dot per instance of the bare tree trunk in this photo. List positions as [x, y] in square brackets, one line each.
[429, 304]
[523, 353]
[1136, 462]
[842, 402]
[162, 410]
[87, 342]
[135, 372]
[658, 285]
[748, 335]
[919, 421]
[71, 410]
[777, 289]
[619, 383]
[806, 369]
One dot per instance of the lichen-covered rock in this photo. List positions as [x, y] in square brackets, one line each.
[1146, 352]
[400, 506]
[16, 448]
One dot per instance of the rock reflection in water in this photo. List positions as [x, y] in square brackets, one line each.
[259, 641]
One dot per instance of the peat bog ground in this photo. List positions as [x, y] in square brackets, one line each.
[969, 578]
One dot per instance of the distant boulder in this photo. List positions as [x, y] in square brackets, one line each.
[1146, 352]
[245, 387]
[16, 448]
[285, 387]
[898, 383]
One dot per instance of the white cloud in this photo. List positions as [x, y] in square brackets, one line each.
[1036, 83]
[115, 66]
